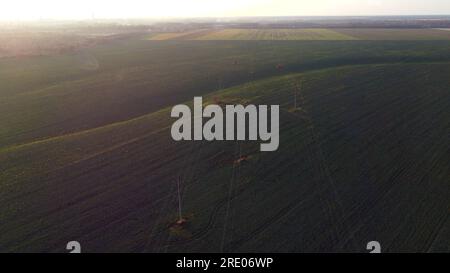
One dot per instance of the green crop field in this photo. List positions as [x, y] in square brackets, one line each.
[396, 34]
[315, 34]
[274, 34]
[86, 151]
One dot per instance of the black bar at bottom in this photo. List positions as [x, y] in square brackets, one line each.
[208, 262]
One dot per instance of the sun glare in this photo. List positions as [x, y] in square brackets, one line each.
[87, 9]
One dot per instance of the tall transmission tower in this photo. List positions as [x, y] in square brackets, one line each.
[296, 90]
[180, 217]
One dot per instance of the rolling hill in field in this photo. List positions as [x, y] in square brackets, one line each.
[86, 152]
[47, 96]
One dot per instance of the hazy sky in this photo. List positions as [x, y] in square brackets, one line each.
[81, 9]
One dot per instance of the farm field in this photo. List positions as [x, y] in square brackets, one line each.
[274, 34]
[315, 34]
[396, 34]
[86, 151]
[64, 94]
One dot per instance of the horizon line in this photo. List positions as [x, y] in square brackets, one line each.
[214, 17]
